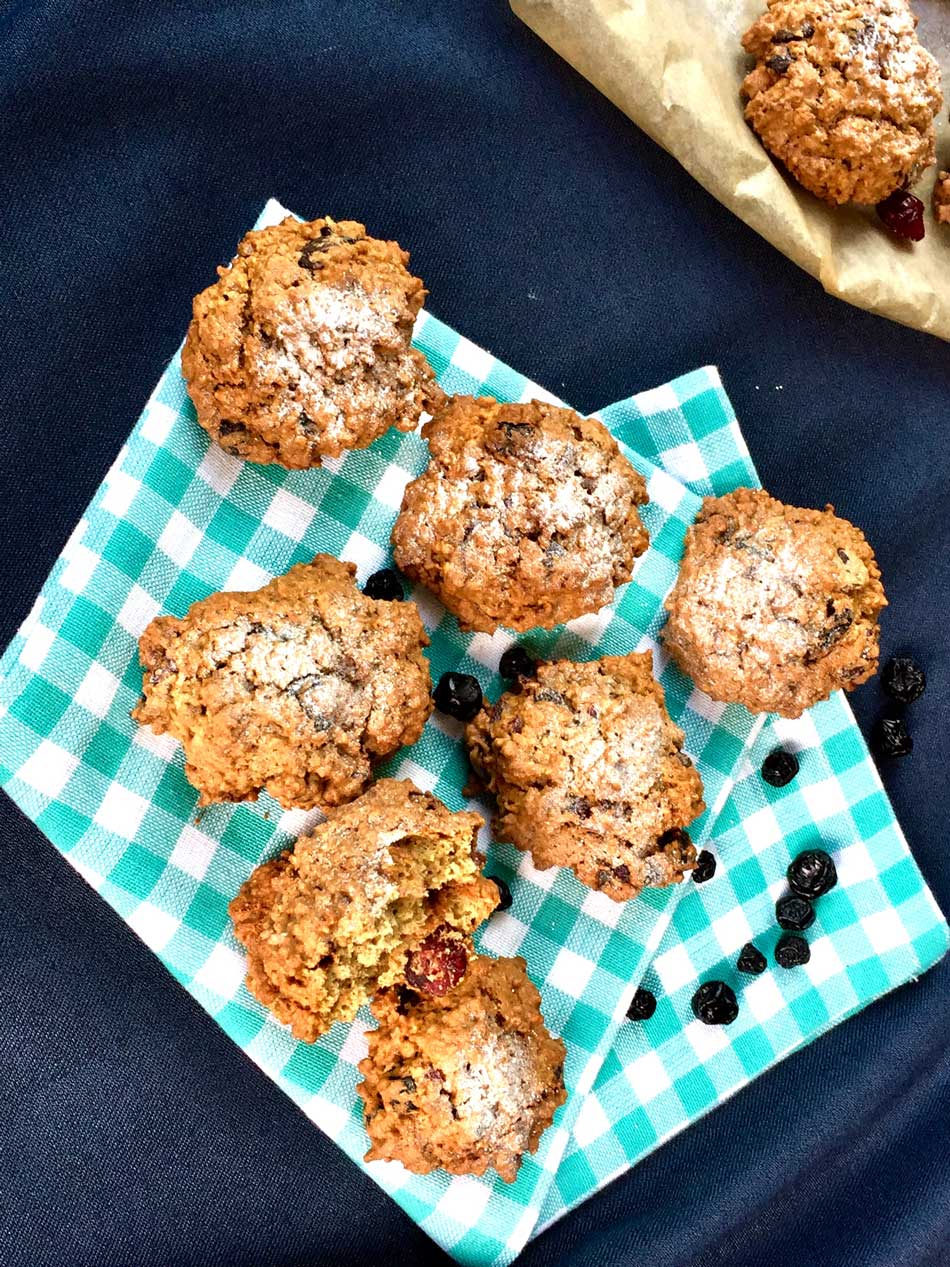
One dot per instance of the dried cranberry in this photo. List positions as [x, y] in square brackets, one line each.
[516, 663]
[751, 960]
[792, 951]
[903, 213]
[504, 893]
[438, 963]
[642, 1005]
[714, 1003]
[903, 679]
[385, 585]
[892, 738]
[794, 913]
[459, 695]
[705, 867]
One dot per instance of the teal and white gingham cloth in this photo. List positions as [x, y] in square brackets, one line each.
[177, 519]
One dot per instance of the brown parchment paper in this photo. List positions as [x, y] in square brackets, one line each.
[675, 67]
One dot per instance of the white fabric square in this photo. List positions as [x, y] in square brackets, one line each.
[591, 627]
[825, 799]
[570, 972]
[220, 469]
[602, 908]
[504, 934]
[180, 538]
[674, 968]
[685, 461]
[706, 1040]
[762, 829]
[657, 400]
[355, 1045]
[711, 709]
[464, 1200]
[554, 1146]
[473, 360]
[155, 927]
[647, 1076]
[161, 746]
[331, 1118]
[121, 491]
[289, 514]
[540, 879]
[138, 610]
[193, 852]
[36, 646]
[732, 930]
[885, 930]
[97, 690]
[222, 972]
[158, 422]
[854, 864]
[49, 768]
[246, 575]
[664, 491]
[121, 811]
[825, 962]
[391, 486]
[763, 997]
[78, 571]
[591, 1122]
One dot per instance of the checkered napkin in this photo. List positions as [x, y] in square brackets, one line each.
[177, 519]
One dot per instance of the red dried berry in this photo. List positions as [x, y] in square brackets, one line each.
[903, 213]
[438, 963]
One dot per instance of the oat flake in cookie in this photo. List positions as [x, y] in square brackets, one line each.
[774, 607]
[588, 772]
[301, 348]
[463, 1082]
[342, 913]
[296, 689]
[843, 94]
[525, 516]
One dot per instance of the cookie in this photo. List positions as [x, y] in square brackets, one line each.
[526, 515]
[355, 903]
[462, 1082]
[588, 772]
[296, 689]
[942, 198]
[774, 607]
[843, 94]
[301, 348]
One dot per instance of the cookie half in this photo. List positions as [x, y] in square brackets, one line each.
[388, 889]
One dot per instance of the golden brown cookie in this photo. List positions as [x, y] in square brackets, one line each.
[462, 1082]
[301, 348]
[526, 515]
[369, 898]
[774, 607]
[588, 772]
[296, 689]
[843, 94]
[942, 198]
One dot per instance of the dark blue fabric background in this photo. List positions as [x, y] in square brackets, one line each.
[138, 142]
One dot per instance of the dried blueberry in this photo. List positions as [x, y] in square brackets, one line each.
[751, 960]
[903, 679]
[794, 913]
[779, 63]
[705, 867]
[791, 951]
[459, 695]
[779, 768]
[385, 585]
[714, 1003]
[226, 428]
[642, 1006]
[891, 737]
[903, 214]
[438, 963]
[516, 663]
[812, 874]
[504, 893]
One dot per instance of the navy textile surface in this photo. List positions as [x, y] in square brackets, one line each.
[138, 141]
